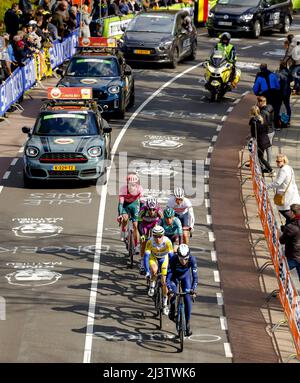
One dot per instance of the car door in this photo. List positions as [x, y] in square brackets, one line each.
[271, 13]
[184, 37]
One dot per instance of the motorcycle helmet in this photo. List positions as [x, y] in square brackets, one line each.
[169, 212]
[225, 38]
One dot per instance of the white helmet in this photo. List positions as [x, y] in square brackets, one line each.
[178, 192]
[183, 251]
[158, 231]
[151, 202]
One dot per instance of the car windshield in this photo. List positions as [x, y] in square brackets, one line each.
[241, 3]
[93, 67]
[151, 23]
[66, 124]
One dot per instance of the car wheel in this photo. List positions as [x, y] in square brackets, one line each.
[28, 182]
[286, 25]
[121, 113]
[194, 51]
[175, 58]
[211, 33]
[132, 97]
[256, 29]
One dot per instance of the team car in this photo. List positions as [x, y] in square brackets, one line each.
[163, 36]
[100, 65]
[70, 139]
[251, 16]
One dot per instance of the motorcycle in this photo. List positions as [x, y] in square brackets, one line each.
[218, 75]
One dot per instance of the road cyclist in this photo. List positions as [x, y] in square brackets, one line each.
[158, 251]
[131, 196]
[184, 211]
[150, 215]
[183, 268]
[172, 226]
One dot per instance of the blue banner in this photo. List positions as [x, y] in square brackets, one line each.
[24, 78]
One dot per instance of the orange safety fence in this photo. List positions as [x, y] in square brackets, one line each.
[288, 295]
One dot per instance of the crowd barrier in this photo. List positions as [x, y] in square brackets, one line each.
[35, 68]
[288, 295]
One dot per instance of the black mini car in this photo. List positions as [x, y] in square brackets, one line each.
[160, 36]
[251, 16]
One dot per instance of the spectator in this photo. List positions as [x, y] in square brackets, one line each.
[25, 6]
[72, 22]
[260, 131]
[145, 5]
[285, 185]
[285, 79]
[12, 20]
[267, 113]
[53, 32]
[133, 6]
[290, 238]
[114, 9]
[288, 45]
[85, 22]
[61, 17]
[123, 6]
[28, 16]
[35, 38]
[266, 84]
[47, 5]
[295, 67]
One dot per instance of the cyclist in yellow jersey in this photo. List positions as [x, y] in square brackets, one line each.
[157, 253]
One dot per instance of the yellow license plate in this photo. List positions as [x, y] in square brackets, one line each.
[63, 167]
[142, 52]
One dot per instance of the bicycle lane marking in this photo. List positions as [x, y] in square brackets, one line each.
[100, 225]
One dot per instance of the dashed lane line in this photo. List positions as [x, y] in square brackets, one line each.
[1, 188]
[213, 255]
[14, 161]
[217, 276]
[227, 349]
[247, 47]
[223, 322]
[220, 299]
[6, 175]
[264, 43]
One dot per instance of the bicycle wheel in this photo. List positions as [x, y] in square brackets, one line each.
[181, 327]
[160, 306]
[131, 249]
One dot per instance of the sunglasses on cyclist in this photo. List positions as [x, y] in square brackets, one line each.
[157, 236]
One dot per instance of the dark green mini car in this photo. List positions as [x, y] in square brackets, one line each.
[70, 140]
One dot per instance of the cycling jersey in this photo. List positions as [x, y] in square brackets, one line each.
[129, 201]
[174, 229]
[182, 210]
[158, 253]
[147, 221]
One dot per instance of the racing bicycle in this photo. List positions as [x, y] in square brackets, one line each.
[129, 241]
[158, 298]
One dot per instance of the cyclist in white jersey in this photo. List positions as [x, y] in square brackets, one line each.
[184, 211]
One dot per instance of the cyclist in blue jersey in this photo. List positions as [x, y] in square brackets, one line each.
[182, 267]
[172, 226]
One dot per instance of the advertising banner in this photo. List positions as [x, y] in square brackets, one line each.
[70, 93]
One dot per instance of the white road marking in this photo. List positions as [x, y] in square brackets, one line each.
[206, 174]
[219, 127]
[237, 101]
[264, 42]
[21, 150]
[14, 161]
[224, 118]
[247, 47]
[207, 161]
[245, 93]
[230, 109]
[227, 349]
[216, 276]
[210, 149]
[220, 299]
[6, 175]
[1, 188]
[223, 321]
[206, 188]
[213, 255]
[100, 225]
[209, 219]
[214, 139]
[211, 236]
[207, 203]
[280, 38]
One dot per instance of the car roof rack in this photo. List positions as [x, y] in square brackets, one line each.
[90, 104]
[97, 45]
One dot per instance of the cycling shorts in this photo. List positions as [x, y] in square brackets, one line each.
[174, 238]
[184, 219]
[132, 209]
[161, 262]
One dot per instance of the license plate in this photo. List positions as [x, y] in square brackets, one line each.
[142, 52]
[63, 168]
[227, 23]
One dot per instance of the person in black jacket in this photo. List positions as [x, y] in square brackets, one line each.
[12, 20]
[259, 130]
[267, 112]
[291, 239]
[285, 79]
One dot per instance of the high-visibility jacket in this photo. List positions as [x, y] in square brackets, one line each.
[229, 51]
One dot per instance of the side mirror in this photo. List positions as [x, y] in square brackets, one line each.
[26, 130]
[107, 129]
[59, 71]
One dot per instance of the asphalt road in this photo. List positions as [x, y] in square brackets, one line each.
[63, 312]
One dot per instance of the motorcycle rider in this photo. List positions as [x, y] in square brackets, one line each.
[229, 51]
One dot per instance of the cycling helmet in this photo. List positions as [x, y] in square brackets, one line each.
[179, 193]
[169, 212]
[225, 37]
[183, 251]
[132, 179]
[151, 202]
[158, 231]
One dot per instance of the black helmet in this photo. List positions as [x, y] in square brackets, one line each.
[225, 37]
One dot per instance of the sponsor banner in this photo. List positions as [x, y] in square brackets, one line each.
[97, 42]
[112, 26]
[70, 93]
[34, 69]
[288, 294]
